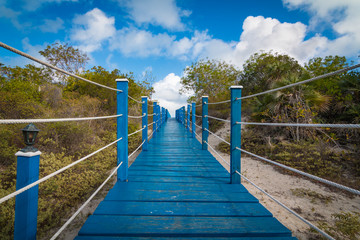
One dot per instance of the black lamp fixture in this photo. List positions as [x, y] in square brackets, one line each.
[30, 132]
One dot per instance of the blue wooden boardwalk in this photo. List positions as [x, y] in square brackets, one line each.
[176, 190]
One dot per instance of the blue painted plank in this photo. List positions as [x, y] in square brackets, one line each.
[177, 168]
[179, 195]
[181, 238]
[134, 186]
[203, 209]
[179, 179]
[180, 174]
[145, 226]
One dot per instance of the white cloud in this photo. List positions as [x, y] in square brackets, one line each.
[258, 34]
[10, 14]
[140, 43]
[52, 26]
[167, 93]
[92, 29]
[344, 18]
[162, 13]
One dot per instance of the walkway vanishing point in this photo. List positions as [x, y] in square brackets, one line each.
[177, 190]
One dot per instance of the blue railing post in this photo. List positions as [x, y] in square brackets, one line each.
[144, 100]
[122, 129]
[154, 117]
[162, 115]
[193, 107]
[184, 116]
[235, 134]
[26, 203]
[188, 117]
[205, 123]
[158, 116]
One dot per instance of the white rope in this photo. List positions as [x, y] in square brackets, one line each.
[152, 133]
[149, 115]
[151, 124]
[302, 82]
[198, 116]
[135, 99]
[217, 153]
[17, 192]
[85, 203]
[197, 135]
[136, 149]
[354, 191]
[137, 116]
[53, 67]
[137, 131]
[287, 208]
[217, 136]
[16, 121]
[326, 125]
[92, 196]
[226, 101]
[220, 119]
[197, 126]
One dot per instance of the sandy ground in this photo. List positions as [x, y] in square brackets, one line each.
[281, 186]
[278, 184]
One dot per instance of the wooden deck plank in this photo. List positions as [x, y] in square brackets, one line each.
[204, 209]
[177, 190]
[143, 226]
[180, 196]
[181, 238]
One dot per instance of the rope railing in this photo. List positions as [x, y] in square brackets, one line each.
[287, 208]
[150, 124]
[319, 125]
[140, 102]
[149, 115]
[303, 82]
[137, 131]
[217, 136]
[274, 199]
[219, 119]
[84, 204]
[198, 116]
[17, 121]
[214, 103]
[17, 192]
[137, 116]
[93, 195]
[3, 45]
[342, 187]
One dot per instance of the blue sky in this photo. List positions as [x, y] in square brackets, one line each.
[165, 36]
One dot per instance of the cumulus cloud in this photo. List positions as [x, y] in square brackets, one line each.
[10, 14]
[141, 43]
[92, 29]
[167, 93]
[162, 13]
[258, 34]
[342, 16]
[52, 26]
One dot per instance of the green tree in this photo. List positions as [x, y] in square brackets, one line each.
[65, 57]
[209, 77]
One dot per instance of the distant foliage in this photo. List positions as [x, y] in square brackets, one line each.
[35, 92]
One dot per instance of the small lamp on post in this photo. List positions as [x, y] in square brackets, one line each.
[26, 203]
[30, 132]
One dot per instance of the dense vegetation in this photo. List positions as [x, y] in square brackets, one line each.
[331, 153]
[36, 92]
